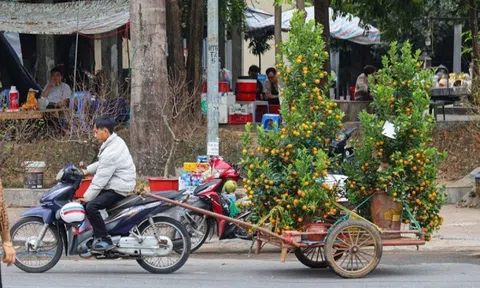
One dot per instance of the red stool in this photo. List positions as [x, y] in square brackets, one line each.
[274, 109]
[260, 110]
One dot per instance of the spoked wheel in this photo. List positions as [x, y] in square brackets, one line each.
[312, 257]
[25, 235]
[359, 246]
[171, 228]
[198, 231]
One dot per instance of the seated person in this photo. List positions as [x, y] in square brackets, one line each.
[57, 92]
[253, 72]
[270, 87]
[362, 91]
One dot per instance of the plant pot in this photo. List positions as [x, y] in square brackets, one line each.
[386, 213]
[317, 227]
[162, 184]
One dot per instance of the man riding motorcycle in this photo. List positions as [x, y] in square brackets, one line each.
[114, 178]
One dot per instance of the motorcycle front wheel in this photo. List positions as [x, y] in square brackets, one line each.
[171, 228]
[25, 234]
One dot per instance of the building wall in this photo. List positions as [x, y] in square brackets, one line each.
[268, 59]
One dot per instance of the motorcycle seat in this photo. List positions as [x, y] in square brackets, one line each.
[135, 200]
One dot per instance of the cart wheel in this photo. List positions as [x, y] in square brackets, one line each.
[359, 246]
[312, 257]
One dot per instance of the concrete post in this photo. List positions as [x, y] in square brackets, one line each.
[112, 61]
[212, 78]
[457, 49]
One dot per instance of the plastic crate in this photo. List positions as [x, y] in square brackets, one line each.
[162, 184]
[238, 119]
[83, 187]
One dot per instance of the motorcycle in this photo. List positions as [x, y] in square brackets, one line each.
[159, 244]
[209, 196]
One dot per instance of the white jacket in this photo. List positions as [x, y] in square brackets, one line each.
[113, 171]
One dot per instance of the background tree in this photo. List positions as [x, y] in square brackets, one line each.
[149, 77]
[258, 43]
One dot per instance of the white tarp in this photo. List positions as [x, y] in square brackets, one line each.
[95, 17]
[14, 41]
[346, 28]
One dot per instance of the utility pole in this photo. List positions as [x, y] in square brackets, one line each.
[212, 78]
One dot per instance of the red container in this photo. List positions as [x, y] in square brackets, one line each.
[274, 109]
[246, 89]
[238, 119]
[162, 184]
[352, 93]
[223, 87]
[317, 228]
[83, 187]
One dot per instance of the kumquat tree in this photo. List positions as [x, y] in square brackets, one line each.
[284, 174]
[402, 165]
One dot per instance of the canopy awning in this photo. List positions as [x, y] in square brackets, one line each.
[346, 28]
[94, 17]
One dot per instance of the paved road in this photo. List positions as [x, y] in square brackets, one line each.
[232, 271]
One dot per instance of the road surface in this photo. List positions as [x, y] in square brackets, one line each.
[406, 269]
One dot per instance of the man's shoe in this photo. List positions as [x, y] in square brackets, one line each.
[103, 245]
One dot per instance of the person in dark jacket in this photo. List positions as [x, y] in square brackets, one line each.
[253, 72]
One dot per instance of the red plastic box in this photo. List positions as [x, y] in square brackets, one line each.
[162, 184]
[83, 187]
[238, 119]
[156, 184]
[223, 87]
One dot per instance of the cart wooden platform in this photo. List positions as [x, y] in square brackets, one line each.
[351, 246]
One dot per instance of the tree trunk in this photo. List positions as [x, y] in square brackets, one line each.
[175, 59]
[322, 17]
[472, 11]
[148, 136]
[195, 48]
[260, 62]
[278, 31]
[301, 5]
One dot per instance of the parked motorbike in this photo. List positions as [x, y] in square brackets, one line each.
[210, 197]
[158, 244]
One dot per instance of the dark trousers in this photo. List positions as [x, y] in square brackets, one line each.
[106, 199]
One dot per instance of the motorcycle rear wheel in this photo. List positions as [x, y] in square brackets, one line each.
[23, 246]
[202, 231]
[182, 251]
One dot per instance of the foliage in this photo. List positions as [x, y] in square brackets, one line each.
[258, 41]
[285, 173]
[405, 167]
[402, 21]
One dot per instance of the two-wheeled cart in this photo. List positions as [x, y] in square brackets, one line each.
[350, 245]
